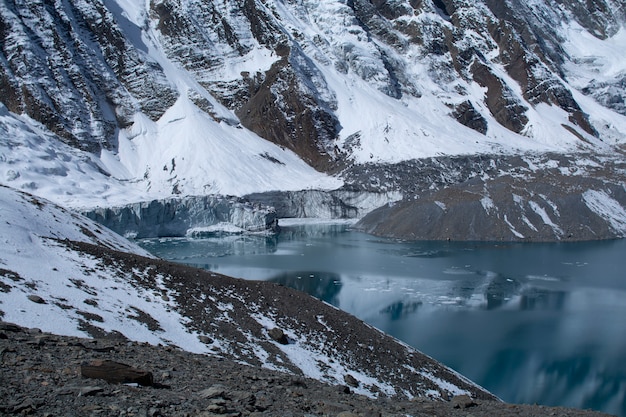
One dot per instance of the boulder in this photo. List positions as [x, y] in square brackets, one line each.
[116, 372]
[279, 336]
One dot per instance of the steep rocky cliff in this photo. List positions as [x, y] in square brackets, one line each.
[191, 97]
[84, 69]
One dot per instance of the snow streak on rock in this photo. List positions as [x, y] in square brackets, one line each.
[608, 208]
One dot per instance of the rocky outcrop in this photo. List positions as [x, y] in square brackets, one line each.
[610, 94]
[559, 199]
[176, 217]
[73, 67]
[505, 210]
[288, 104]
[500, 100]
[290, 113]
[466, 114]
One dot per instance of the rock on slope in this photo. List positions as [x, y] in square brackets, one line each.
[64, 274]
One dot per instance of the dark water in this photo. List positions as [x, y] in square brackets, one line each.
[532, 323]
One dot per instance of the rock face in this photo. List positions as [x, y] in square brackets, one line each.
[491, 211]
[74, 68]
[176, 217]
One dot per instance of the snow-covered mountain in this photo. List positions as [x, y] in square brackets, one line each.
[108, 102]
[62, 273]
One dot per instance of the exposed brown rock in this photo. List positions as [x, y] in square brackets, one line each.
[466, 114]
[280, 112]
[500, 100]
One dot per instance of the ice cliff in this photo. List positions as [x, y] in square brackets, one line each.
[183, 216]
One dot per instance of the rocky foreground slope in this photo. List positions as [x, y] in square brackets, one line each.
[41, 375]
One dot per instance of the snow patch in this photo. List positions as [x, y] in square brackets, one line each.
[512, 228]
[607, 208]
[545, 217]
[322, 365]
[487, 203]
[445, 386]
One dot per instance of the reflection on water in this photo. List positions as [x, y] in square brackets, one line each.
[186, 250]
[533, 323]
[536, 299]
[321, 285]
[400, 309]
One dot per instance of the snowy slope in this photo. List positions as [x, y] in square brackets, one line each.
[36, 261]
[59, 274]
[378, 127]
[186, 152]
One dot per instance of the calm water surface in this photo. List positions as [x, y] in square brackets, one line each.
[532, 323]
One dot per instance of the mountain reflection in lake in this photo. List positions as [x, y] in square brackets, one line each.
[533, 323]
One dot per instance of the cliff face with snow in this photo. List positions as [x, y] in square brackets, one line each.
[111, 102]
[289, 70]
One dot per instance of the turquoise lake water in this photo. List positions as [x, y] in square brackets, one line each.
[532, 323]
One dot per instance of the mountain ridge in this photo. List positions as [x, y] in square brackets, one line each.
[278, 69]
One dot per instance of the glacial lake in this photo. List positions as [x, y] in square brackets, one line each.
[532, 323]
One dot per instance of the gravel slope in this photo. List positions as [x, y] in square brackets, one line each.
[41, 375]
